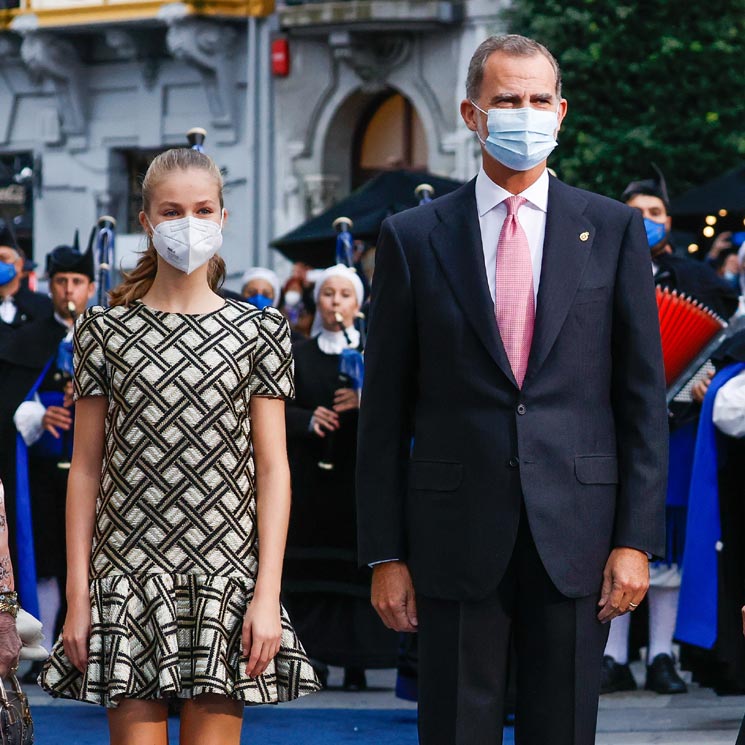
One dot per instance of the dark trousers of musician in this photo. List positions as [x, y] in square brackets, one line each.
[464, 651]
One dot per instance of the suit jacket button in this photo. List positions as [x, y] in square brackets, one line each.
[513, 462]
[521, 409]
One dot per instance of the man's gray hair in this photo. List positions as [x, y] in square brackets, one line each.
[513, 45]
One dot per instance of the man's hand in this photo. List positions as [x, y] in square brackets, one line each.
[393, 596]
[324, 420]
[625, 582]
[10, 644]
[723, 242]
[69, 399]
[55, 418]
[346, 399]
[698, 391]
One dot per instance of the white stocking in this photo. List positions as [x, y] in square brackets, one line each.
[663, 612]
[618, 639]
[49, 605]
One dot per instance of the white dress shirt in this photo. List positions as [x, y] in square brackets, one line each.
[492, 214]
[8, 309]
[729, 407]
[29, 415]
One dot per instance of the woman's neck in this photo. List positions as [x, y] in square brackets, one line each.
[174, 291]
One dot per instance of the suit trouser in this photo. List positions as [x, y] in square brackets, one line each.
[463, 654]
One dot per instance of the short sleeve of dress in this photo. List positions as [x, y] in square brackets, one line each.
[273, 366]
[89, 363]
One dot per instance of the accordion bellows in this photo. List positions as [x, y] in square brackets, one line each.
[686, 327]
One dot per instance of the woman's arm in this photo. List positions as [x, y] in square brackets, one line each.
[10, 644]
[82, 491]
[262, 628]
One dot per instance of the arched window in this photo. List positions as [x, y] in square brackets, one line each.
[390, 135]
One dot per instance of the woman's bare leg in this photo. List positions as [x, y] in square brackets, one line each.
[211, 719]
[141, 722]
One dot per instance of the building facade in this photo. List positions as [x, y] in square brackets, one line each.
[373, 85]
[90, 90]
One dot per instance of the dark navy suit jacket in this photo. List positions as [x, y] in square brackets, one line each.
[583, 444]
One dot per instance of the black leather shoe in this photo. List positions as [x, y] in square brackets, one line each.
[615, 677]
[321, 670]
[354, 679]
[662, 676]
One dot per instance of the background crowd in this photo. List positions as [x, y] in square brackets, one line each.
[325, 591]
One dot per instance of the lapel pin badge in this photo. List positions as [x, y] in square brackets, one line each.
[584, 236]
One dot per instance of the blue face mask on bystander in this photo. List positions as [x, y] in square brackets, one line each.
[656, 231]
[7, 273]
[259, 301]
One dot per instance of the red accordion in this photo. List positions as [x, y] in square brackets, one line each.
[686, 327]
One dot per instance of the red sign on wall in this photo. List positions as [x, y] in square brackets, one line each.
[280, 57]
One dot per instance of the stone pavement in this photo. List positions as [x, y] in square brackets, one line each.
[639, 718]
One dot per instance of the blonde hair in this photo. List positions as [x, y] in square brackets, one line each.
[137, 282]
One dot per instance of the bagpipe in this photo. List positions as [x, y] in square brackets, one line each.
[344, 241]
[690, 334]
[196, 137]
[104, 235]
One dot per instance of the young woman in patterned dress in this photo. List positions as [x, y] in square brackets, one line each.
[179, 467]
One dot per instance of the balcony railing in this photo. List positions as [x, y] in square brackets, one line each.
[60, 13]
[370, 14]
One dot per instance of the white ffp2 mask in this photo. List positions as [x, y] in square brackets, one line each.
[188, 242]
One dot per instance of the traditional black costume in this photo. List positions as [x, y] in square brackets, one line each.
[327, 595]
[35, 366]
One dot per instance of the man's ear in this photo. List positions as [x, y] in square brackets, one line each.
[562, 112]
[91, 290]
[469, 113]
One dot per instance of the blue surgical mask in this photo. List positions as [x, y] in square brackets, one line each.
[7, 273]
[259, 301]
[732, 279]
[520, 138]
[656, 231]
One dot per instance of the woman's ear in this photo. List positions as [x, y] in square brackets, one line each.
[145, 223]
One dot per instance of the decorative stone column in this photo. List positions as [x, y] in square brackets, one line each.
[320, 192]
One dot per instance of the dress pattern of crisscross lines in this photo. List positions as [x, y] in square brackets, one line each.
[175, 547]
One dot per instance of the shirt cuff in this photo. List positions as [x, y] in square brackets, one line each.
[28, 421]
[382, 561]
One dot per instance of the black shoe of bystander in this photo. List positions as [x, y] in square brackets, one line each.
[662, 677]
[615, 677]
[354, 679]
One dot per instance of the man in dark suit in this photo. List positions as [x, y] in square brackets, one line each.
[513, 433]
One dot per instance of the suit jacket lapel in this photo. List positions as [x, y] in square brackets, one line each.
[456, 241]
[566, 248]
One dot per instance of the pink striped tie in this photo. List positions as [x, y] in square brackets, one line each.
[515, 301]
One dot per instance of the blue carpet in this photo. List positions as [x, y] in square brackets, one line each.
[77, 724]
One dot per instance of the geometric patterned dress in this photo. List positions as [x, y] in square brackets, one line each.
[175, 551]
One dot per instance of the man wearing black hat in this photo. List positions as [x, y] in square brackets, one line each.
[681, 273]
[35, 377]
[699, 281]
